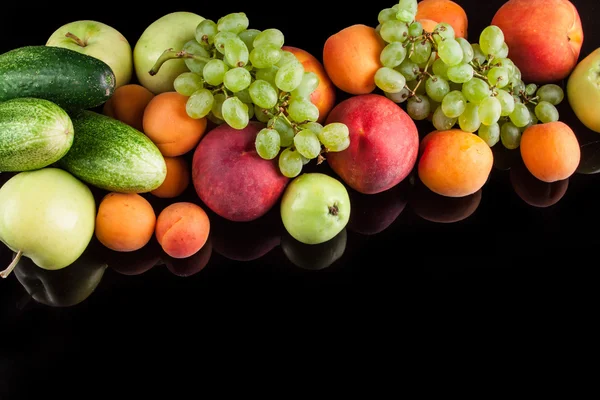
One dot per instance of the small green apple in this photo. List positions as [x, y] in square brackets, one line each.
[46, 215]
[171, 31]
[100, 41]
[583, 90]
[314, 208]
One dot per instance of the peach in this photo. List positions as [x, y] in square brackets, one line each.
[550, 151]
[324, 95]
[384, 142]
[533, 191]
[443, 11]
[454, 163]
[544, 37]
[351, 58]
[182, 229]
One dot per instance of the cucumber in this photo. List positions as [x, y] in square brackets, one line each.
[34, 133]
[111, 155]
[72, 80]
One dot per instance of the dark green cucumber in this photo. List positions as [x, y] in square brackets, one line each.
[112, 155]
[72, 80]
[34, 133]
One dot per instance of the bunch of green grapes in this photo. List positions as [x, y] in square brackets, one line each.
[455, 82]
[237, 73]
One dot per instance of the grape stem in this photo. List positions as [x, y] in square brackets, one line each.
[12, 265]
[170, 54]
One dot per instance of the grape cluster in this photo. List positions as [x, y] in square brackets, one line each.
[452, 81]
[237, 73]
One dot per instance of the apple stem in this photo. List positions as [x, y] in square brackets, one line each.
[76, 39]
[13, 264]
[170, 54]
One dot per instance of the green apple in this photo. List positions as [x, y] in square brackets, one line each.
[171, 31]
[46, 215]
[100, 41]
[583, 90]
[314, 208]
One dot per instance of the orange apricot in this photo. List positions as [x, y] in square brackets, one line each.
[127, 104]
[444, 11]
[125, 221]
[182, 229]
[550, 151]
[177, 179]
[428, 24]
[168, 125]
[351, 58]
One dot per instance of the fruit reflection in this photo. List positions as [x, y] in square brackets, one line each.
[590, 158]
[435, 208]
[317, 256]
[134, 262]
[66, 287]
[374, 213]
[186, 267]
[533, 191]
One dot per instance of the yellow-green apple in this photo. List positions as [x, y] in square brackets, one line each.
[170, 31]
[324, 95]
[544, 37]
[100, 41]
[583, 90]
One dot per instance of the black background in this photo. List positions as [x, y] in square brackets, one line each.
[504, 250]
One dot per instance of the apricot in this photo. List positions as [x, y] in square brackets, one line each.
[125, 221]
[534, 192]
[428, 24]
[351, 58]
[127, 104]
[168, 125]
[454, 163]
[182, 229]
[443, 11]
[550, 151]
[177, 179]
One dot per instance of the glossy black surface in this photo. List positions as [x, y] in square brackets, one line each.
[408, 244]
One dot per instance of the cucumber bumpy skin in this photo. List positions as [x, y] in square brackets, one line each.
[72, 80]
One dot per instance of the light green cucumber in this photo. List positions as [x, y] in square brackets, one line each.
[34, 133]
[111, 155]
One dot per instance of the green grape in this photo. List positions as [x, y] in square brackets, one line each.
[193, 65]
[217, 121]
[429, 63]
[409, 69]
[248, 36]
[534, 120]
[415, 29]
[237, 79]
[392, 54]
[263, 94]
[460, 73]
[285, 131]
[220, 39]
[250, 109]
[387, 14]
[394, 31]
[440, 69]
[217, 107]
[450, 52]
[490, 110]
[335, 136]
[416, 87]
[503, 52]
[507, 102]
[440, 121]
[206, 31]
[261, 114]
[418, 107]
[510, 135]
[286, 57]
[301, 109]
[307, 144]
[443, 31]
[214, 72]
[469, 120]
[498, 77]
[187, 83]
[271, 36]
[235, 113]
[233, 22]
[399, 97]
[478, 55]
[490, 134]
[244, 96]
[546, 112]
[476, 90]
[505, 63]
[235, 52]
[267, 74]
[467, 49]
[407, 10]
[389, 80]
[454, 104]
[313, 126]
[530, 89]
[290, 162]
[309, 83]
[551, 93]
[436, 88]
[304, 160]
[265, 56]
[267, 143]
[516, 73]
[199, 104]
[289, 76]
[421, 52]
[491, 40]
[520, 115]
